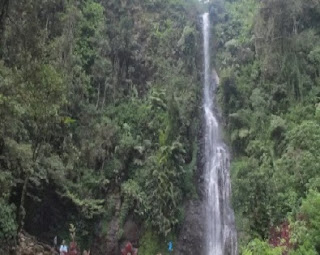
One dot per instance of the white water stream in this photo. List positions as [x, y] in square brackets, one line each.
[221, 236]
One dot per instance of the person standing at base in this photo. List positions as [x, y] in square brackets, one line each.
[63, 248]
[170, 247]
[55, 244]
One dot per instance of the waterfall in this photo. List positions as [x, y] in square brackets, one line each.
[221, 237]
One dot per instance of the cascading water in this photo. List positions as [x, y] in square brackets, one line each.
[221, 237]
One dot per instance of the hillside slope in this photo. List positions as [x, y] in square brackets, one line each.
[267, 53]
[99, 119]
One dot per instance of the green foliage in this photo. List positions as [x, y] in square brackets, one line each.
[165, 186]
[302, 237]
[310, 209]
[44, 91]
[151, 243]
[91, 25]
[98, 99]
[8, 224]
[88, 207]
[267, 54]
[257, 246]
[6, 182]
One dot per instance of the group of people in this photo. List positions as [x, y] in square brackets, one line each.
[72, 250]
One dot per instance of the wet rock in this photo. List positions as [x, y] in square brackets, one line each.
[190, 240]
[107, 243]
[131, 232]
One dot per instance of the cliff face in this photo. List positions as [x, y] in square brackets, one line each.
[158, 48]
[192, 235]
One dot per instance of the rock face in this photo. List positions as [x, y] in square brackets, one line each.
[131, 233]
[192, 234]
[190, 240]
[108, 243]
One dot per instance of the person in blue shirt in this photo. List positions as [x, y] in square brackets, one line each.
[170, 246]
[63, 248]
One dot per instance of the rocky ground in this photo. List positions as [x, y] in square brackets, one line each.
[28, 245]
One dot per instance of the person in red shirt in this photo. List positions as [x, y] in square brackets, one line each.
[129, 250]
[73, 249]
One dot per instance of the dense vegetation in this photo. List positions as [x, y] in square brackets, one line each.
[99, 108]
[268, 55]
[99, 115]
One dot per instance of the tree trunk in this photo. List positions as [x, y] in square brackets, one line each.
[4, 6]
[98, 99]
[104, 93]
[22, 211]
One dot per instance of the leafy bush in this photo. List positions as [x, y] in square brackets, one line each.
[257, 246]
[8, 224]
